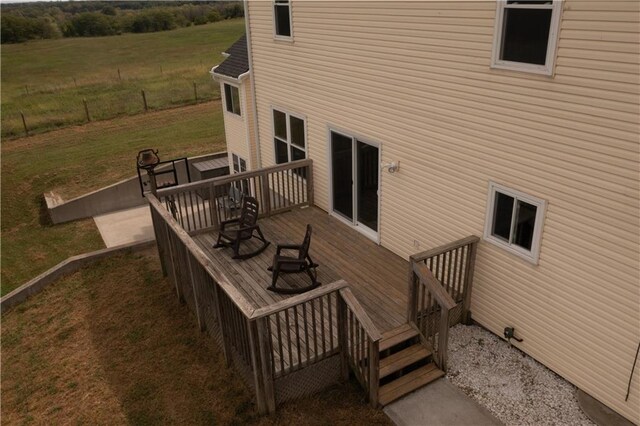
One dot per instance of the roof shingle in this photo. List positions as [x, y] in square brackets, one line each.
[238, 61]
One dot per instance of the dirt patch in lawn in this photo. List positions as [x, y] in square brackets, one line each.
[112, 344]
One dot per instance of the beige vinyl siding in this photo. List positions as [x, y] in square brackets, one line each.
[248, 104]
[235, 126]
[416, 78]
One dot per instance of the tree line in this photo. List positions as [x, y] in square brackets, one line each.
[28, 21]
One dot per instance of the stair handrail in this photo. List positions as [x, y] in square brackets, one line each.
[352, 301]
[446, 303]
[364, 361]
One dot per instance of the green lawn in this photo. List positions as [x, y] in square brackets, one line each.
[38, 77]
[76, 160]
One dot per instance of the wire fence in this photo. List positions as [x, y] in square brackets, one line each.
[39, 108]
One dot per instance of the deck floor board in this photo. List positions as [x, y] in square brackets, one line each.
[376, 275]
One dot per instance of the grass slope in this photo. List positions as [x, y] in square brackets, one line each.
[38, 77]
[91, 349]
[77, 160]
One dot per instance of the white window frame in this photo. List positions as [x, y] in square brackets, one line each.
[224, 84]
[288, 116]
[276, 36]
[554, 29]
[532, 255]
[237, 161]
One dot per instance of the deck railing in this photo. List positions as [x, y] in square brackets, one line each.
[201, 206]
[440, 284]
[284, 350]
[361, 343]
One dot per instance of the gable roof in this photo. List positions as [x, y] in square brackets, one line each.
[237, 63]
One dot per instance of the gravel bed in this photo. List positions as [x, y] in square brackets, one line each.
[513, 386]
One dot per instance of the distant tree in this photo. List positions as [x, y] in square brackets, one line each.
[91, 24]
[153, 20]
[16, 29]
[214, 16]
[232, 10]
[109, 11]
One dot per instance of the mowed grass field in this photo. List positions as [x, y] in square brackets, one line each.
[111, 344]
[77, 160]
[47, 80]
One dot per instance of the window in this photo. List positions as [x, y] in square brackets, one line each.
[232, 98]
[514, 221]
[289, 137]
[239, 164]
[282, 18]
[525, 35]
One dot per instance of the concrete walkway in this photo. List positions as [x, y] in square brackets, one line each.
[125, 226]
[439, 403]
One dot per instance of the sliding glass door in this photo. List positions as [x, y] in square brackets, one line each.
[355, 177]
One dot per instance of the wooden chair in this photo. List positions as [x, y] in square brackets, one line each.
[300, 263]
[243, 228]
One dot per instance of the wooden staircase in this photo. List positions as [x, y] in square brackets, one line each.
[405, 364]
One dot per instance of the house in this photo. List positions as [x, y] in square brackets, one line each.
[429, 121]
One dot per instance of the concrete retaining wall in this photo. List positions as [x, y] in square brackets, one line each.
[119, 196]
[62, 269]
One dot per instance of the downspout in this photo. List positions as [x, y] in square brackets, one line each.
[247, 131]
[252, 82]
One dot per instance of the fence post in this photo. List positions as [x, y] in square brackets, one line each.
[144, 100]
[26, 88]
[86, 109]
[466, 302]
[24, 123]
[75, 83]
[195, 91]
[119, 76]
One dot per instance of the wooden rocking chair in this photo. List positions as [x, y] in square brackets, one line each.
[234, 231]
[300, 263]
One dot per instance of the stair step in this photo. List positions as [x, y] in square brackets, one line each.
[402, 359]
[397, 335]
[405, 384]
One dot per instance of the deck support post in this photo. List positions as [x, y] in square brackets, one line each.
[212, 205]
[157, 225]
[343, 338]
[310, 200]
[443, 338]
[466, 302]
[174, 274]
[222, 324]
[412, 296]
[374, 372]
[264, 182]
[266, 358]
[256, 366]
[196, 295]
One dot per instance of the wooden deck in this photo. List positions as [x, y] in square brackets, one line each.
[377, 277]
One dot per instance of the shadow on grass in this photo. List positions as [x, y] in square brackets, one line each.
[44, 218]
[112, 344]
